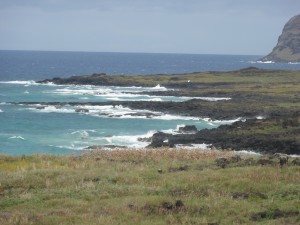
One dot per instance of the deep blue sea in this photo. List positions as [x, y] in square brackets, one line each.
[27, 129]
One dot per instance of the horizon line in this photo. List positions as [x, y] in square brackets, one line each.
[121, 52]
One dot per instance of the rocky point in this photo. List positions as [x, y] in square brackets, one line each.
[288, 46]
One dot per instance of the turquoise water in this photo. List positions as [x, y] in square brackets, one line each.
[36, 128]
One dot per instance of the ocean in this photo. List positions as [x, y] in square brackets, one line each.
[65, 129]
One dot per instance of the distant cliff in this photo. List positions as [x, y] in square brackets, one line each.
[288, 46]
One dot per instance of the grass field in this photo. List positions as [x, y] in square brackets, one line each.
[162, 186]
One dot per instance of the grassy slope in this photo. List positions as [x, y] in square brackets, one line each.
[125, 187]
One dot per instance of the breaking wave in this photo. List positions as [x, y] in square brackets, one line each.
[27, 83]
[51, 109]
[109, 111]
[261, 62]
[17, 137]
[123, 93]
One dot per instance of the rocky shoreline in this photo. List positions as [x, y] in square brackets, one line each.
[227, 137]
[254, 93]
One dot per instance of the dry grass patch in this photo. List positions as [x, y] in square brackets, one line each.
[149, 186]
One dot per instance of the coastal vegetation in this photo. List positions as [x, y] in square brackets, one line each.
[150, 186]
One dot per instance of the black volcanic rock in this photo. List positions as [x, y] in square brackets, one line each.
[239, 136]
[288, 46]
[188, 129]
[159, 139]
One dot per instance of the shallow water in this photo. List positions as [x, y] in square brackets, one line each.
[63, 129]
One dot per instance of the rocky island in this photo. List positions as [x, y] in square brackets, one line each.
[288, 46]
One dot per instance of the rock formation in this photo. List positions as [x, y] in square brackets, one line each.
[288, 46]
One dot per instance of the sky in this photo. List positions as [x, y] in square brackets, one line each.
[246, 27]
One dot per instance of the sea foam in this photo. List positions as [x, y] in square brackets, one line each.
[261, 62]
[28, 82]
[17, 137]
[51, 109]
[118, 111]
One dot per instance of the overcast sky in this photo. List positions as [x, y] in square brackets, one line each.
[162, 26]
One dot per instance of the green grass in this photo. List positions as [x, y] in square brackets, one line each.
[125, 187]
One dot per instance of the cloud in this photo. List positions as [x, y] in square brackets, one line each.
[206, 26]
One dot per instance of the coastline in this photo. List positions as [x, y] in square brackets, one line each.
[253, 109]
[266, 100]
[166, 185]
